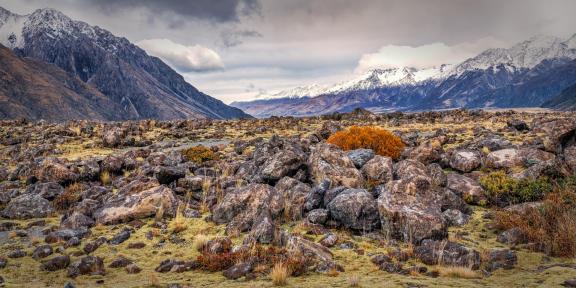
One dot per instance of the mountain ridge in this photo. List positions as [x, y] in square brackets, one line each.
[143, 85]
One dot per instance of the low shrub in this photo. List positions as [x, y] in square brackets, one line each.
[502, 190]
[552, 226]
[380, 140]
[199, 154]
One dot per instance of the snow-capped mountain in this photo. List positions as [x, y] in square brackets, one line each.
[524, 75]
[526, 54]
[144, 86]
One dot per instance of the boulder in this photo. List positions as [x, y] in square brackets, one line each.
[87, 265]
[238, 270]
[360, 156]
[28, 206]
[455, 217]
[427, 152]
[294, 194]
[411, 211]
[307, 248]
[120, 237]
[432, 252]
[263, 228]
[112, 164]
[77, 220]
[318, 216]
[283, 163]
[408, 169]
[558, 133]
[123, 208]
[511, 236]
[467, 188]
[517, 125]
[56, 263]
[503, 159]
[379, 169]
[501, 259]
[437, 175]
[315, 199]
[48, 191]
[329, 240]
[240, 207]
[167, 175]
[329, 162]
[112, 137]
[42, 251]
[465, 160]
[355, 209]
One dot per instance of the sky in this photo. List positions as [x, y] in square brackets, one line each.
[238, 50]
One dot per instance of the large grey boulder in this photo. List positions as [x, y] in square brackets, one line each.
[123, 208]
[432, 252]
[360, 156]
[410, 210]
[465, 160]
[241, 207]
[379, 169]
[467, 188]
[355, 209]
[329, 162]
[28, 206]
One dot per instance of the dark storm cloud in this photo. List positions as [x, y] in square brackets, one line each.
[211, 10]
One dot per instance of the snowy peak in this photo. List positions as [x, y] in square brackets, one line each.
[524, 55]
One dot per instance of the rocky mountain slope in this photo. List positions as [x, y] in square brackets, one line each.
[564, 101]
[143, 85]
[525, 75]
[37, 90]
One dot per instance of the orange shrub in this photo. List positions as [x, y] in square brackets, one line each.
[380, 140]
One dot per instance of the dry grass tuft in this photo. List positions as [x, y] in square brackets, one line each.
[200, 241]
[353, 281]
[380, 140]
[457, 272]
[105, 178]
[279, 274]
[70, 196]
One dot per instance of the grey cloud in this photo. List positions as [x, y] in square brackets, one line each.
[217, 11]
[234, 37]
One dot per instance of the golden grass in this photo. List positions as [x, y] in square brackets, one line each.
[457, 272]
[279, 274]
[353, 281]
[105, 178]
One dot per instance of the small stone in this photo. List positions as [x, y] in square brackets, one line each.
[120, 237]
[56, 263]
[133, 269]
[42, 251]
[18, 253]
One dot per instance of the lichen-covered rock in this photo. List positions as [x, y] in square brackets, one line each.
[113, 137]
[263, 228]
[123, 208]
[283, 163]
[42, 251]
[427, 152]
[408, 169]
[467, 188]
[238, 270]
[410, 210]
[455, 217]
[77, 220]
[239, 208]
[503, 159]
[48, 191]
[294, 194]
[432, 252]
[329, 162]
[88, 265]
[167, 175]
[379, 169]
[28, 206]
[465, 160]
[557, 133]
[570, 158]
[56, 263]
[360, 156]
[318, 216]
[501, 259]
[437, 175]
[355, 209]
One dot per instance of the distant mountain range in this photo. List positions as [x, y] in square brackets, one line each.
[116, 78]
[526, 75]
